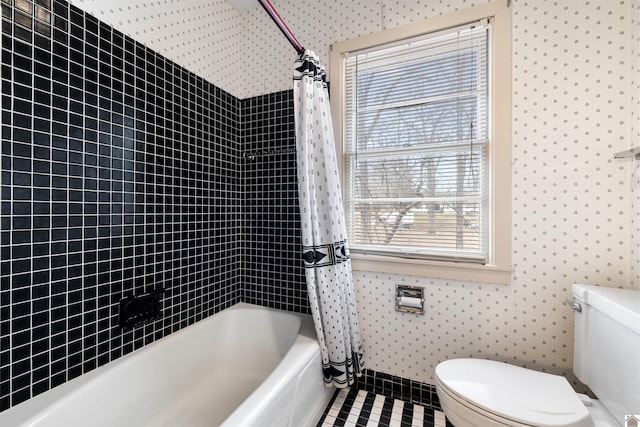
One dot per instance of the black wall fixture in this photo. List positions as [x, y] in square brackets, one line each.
[136, 310]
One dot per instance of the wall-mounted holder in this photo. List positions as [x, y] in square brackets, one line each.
[633, 153]
[410, 299]
[138, 309]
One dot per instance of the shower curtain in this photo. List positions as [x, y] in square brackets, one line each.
[324, 245]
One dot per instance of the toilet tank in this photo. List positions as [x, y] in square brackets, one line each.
[606, 354]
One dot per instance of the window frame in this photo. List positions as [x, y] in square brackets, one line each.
[498, 268]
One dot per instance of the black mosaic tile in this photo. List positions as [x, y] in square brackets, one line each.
[398, 388]
[112, 188]
[274, 273]
[356, 407]
[85, 169]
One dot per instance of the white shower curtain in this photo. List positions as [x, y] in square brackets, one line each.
[324, 244]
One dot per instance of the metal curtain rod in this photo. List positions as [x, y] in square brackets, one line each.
[266, 4]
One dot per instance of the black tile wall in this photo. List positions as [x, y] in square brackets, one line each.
[273, 273]
[120, 175]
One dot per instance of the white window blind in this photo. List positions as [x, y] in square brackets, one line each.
[416, 146]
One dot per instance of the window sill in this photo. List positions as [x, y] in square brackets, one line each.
[437, 269]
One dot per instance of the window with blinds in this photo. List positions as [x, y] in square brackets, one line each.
[416, 146]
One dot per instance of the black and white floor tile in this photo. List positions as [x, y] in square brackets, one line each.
[360, 408]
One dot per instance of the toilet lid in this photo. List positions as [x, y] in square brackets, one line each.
[519, 394]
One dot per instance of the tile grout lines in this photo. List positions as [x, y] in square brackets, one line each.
[359, 408]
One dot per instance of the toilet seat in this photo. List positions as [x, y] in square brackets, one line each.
[465, 414]
[507, 395]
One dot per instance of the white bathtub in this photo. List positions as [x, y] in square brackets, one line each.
[245, 366]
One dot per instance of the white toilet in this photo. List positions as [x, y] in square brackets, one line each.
[485, 393]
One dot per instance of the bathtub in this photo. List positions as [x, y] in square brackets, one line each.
[245, 366]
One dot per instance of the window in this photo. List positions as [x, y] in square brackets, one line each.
[424, 125]
[415, 138]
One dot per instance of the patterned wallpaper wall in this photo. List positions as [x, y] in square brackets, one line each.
[571, 199]
[574, 207]
[635, 142]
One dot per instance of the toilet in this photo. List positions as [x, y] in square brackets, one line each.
[486, 393]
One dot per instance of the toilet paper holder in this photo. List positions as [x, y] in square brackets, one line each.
[410, 299]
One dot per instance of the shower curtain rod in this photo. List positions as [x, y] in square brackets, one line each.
[266, 4]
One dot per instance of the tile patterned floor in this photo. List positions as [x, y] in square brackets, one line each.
[359, 408]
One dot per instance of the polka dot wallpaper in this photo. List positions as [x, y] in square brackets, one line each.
[571, 200]
[635, 141]
[576, 210]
